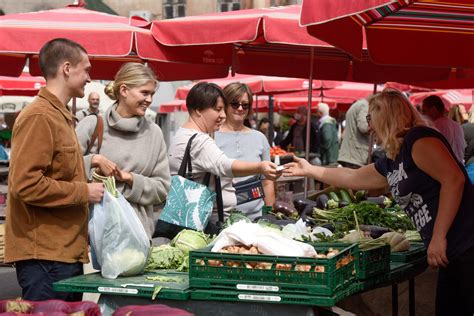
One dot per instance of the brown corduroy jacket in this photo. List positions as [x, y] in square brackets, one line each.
[47, 210]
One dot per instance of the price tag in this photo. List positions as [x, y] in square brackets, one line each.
[253, 287]
[264, 298]
[103, 289]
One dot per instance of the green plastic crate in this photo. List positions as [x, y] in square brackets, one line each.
[275, 298]
[417, 250]
[311, 276]
[136, 286]
[373, 261]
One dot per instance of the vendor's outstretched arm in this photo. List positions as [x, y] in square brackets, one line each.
[366, 177]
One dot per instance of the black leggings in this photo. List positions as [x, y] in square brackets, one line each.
[455, 290]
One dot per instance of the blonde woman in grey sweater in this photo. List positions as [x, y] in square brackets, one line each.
[133, 149]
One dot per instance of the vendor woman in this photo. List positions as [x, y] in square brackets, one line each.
[430, 185]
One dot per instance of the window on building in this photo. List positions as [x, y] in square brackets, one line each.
[174, 9]
[228, 5]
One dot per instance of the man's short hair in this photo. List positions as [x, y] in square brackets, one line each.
[57, 51]
[434, 101]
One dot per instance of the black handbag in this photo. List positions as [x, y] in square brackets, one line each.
[169, 230]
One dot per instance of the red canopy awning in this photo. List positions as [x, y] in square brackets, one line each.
[270, 42]
[264, 85]
[449, 97]
[25, 85]
[416, 32]
[110, 41]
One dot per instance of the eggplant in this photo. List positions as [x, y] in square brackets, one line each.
[377, 200]
[375, 231]
[286, 208]
[322, 201]
[303, 206]
[330, 227]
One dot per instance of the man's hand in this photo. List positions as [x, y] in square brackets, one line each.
[299, 167]
[95, 191]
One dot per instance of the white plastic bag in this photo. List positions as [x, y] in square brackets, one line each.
[119, 243]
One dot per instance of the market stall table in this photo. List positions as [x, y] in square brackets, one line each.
[138, 291]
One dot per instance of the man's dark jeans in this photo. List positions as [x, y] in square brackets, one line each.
[36, 278]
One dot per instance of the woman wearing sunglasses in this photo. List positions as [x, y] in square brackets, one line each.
[240, 142]
[428, 183]
[206, 107]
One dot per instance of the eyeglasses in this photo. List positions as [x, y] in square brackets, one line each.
[236, 105]
[368, 118]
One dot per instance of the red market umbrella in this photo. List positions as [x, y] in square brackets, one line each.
[291, 104]
[25, 85]
[270, 42]
[397, 32]
[449, 97]
[110, 41]
[264, 85]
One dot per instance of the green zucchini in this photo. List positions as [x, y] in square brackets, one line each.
[345, 196]
[333, 196]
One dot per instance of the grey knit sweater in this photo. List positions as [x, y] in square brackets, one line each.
[136, 145]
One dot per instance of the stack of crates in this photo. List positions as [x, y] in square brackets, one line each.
[274, 279]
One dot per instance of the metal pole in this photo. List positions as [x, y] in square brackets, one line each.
[270, 118]
[308, 117]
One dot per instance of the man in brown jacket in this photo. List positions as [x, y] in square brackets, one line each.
[47, 214]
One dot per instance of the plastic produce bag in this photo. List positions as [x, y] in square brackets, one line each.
[119, 243]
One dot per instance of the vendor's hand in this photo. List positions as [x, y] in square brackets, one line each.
[298, 168]
[123, 176]
[106, 167]
[437, 252]
[95, 192]
[269, 170]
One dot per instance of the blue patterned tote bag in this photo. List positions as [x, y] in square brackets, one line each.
[189, 204]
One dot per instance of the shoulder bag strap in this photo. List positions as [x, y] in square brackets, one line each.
[219, 201]
[97, 135]
[186, 162]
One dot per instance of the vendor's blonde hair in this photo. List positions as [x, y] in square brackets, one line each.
[392, 116]
[132, 75]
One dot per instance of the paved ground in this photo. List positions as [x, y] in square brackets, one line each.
[9, 287]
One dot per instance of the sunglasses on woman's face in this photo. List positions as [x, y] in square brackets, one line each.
[368, 118]
[236, 105]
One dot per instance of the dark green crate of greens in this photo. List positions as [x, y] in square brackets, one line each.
[275, 298]
[311, 276]
[417, 250]
[174, 285]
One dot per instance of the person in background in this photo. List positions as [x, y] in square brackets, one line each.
[433, 107]
[468, 129]
[206, 107]
[429, 184]
[94, 102]
[328, 140]
[243, 143]
[297, 133]
[133, 148]
[264, 126]
[354, 152]
[47, 214]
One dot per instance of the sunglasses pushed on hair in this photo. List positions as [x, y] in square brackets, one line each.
[236, 105]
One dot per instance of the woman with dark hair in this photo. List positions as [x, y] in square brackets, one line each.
[428, 183]
[206, 103]
[238, 141]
